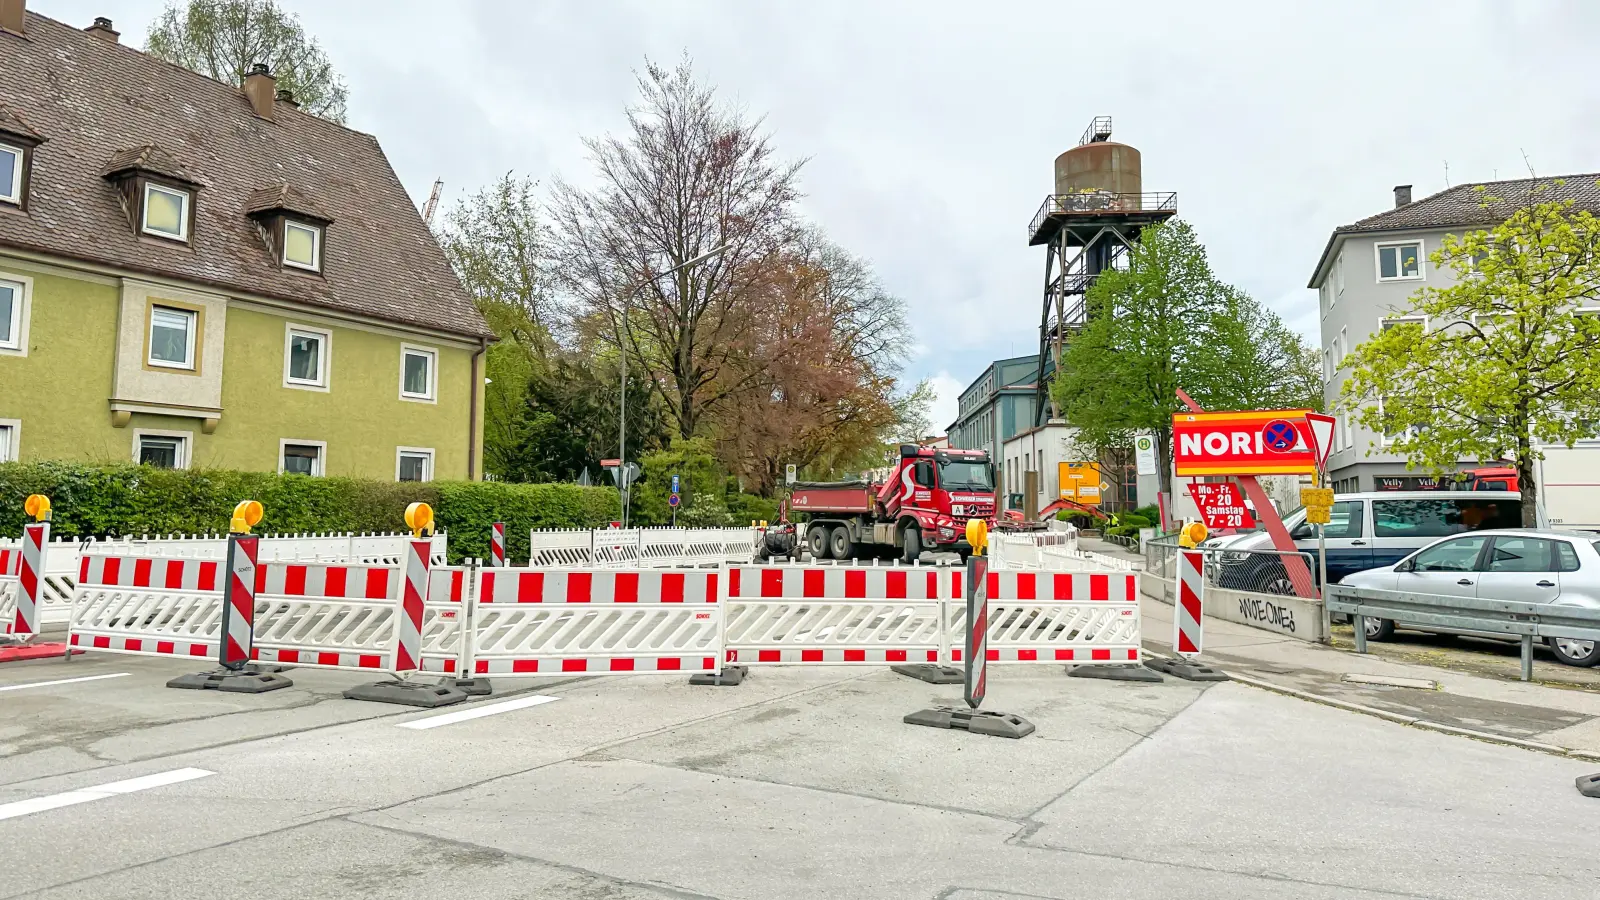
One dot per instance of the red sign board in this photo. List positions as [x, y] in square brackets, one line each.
[1221, 506]
[1257, 442]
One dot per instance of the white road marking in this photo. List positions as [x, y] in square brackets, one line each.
[34, 684]
[477, 712]
[100, 792]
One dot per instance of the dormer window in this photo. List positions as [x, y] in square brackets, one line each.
[11, 158]
[18, 143]
[165, 212]
[302, 245]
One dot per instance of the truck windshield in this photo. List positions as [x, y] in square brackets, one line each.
[959, 475]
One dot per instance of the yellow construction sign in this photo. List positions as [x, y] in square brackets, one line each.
[1318, 503]
[1080, 482]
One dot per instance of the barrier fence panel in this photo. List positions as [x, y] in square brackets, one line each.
[550, 621]
[618, 547]
[327, 616]
[148, 606]
[835, 614]
[447, 622]
[573, 547]
[1056, 617]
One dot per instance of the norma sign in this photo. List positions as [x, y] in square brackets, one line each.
[1260, 442]
[1221, 506]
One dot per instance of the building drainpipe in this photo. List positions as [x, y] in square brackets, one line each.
[472, 407]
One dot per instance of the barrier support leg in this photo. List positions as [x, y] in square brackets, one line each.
[235, 674]
[1115, 673]
[727, 676]
[408, 641]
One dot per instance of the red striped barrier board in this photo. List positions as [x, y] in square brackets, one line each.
[550, 621]
[1188, 618]
[150, 572]
[20, 590]
[1058, 617]
[327, 615]
[834, 615]
[446, 622]
[147, 606]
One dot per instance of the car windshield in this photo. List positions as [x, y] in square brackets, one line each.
[964, 475]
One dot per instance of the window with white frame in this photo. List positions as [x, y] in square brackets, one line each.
[1389, 322]
[166, 212]
[297, 457]
[413, 464]
[1327, 366]
[172, 336]
[1400, 261]
[11, 158]
[13, 300]
[1338, 275]
[305, 357]
[1344, 345]
[10, 439]
[161, 449]
[417, 375]
[302, 245]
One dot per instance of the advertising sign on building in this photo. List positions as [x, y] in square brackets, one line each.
[1258, 442]
[1221, 506]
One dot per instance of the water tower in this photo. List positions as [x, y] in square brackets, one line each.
[1087, 225]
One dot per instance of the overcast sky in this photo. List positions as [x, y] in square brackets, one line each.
[931, 126]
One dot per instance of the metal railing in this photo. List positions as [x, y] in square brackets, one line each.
[1091, 202]
[1525, 621]
[1161, 556]
[1257, 571]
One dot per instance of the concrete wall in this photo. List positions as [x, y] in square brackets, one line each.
[1286, 616]
[63, 391]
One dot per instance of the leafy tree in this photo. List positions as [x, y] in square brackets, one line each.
[1507, 361]
[224, 38]
[566, 421]
[701, 481]
[1167, 322]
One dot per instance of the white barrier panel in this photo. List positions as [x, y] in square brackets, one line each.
[617, 547]
[327, 616]
[844, 615]
[1059, 617]
[560, 548]
[148, 607]
[446, 623]
[550, 621]
[10, 585]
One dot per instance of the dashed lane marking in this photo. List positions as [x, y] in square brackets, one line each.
[99, 792]
[477, 712]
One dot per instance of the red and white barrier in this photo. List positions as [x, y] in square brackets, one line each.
[22, 573]
[497, 545]
[1188, 616]
[149, 607]
[550, 621]
[1057, 617]
[835, 614]
[327, 616]
[239, 608]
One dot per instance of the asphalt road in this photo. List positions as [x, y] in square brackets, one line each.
[800, 783]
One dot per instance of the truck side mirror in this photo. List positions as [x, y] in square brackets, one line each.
[908, 451]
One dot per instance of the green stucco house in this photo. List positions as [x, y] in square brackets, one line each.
[198, 275]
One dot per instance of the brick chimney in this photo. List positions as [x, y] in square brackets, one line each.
[1402, 195]
[259, 89]
[102, 29]
[11, 15]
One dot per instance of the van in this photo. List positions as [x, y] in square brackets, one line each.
[1368, 530]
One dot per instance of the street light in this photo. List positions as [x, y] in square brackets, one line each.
[622, 398]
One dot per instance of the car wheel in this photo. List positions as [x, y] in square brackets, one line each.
[839, 542]
[1378, 629]
[913, 544]
[1571, 652]
[817, 541]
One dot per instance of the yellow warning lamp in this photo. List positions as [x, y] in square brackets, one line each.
[978, 535]
[37, 506]
[245, 516]
[1192, 535]
[419, 518]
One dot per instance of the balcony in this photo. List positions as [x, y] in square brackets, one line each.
[1099, 208]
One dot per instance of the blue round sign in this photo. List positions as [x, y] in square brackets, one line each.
[672, 500]
[1280, 436]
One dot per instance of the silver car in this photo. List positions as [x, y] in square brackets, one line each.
[1532, 566]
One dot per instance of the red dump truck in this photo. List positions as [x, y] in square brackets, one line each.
[924, 504]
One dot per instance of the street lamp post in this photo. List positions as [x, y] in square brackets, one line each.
[623, 485]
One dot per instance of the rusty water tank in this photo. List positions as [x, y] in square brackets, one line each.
[1099, 166]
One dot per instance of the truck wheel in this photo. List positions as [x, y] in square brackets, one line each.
[817, 541]
[913, 544]
[839, 542]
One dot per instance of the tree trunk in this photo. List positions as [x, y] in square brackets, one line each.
[1528, 486]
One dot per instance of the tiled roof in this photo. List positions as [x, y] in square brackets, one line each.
[148, 158]
[90, 98]
[286, 197]
[1466, 206]
[11, 122]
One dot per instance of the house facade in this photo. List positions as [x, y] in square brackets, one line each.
[995, 406]
[1368, 272]
[198, 275]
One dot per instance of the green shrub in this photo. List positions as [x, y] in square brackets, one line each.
[1133, 520]
[747, 508]
[104, 501]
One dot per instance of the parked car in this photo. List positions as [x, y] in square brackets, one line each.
[1367, 530]
[1561, 568]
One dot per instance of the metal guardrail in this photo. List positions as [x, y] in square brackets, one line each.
[1258, 571]
[1102, 202]
[1526, 621]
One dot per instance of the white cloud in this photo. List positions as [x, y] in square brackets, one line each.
[947, 392]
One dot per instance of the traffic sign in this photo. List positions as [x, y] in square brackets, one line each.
[789, 473]
[675, 484]
[673, 500]
[1144, 447]
[1321, 428]
[1221, 506]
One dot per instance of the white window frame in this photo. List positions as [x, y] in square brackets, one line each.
[321, 467]
[433, 373]
[1327, 365]
[426, 452]
[1422, 260]
[12, 193]
[1385, 321]
[185, 444]
[183, 212]
[188, 365]
[1338, 274]
[324, 357]
[316, 245]
[21, 311]
[13, 448]
[1344, 344]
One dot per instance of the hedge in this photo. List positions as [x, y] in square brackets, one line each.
[106, 501]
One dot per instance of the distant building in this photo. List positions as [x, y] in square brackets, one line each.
[996, 405]
[1039, 449]
[935, 442]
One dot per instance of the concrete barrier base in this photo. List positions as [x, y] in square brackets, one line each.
[1114, 673]
[1182, 668]
[977, 721]
[932, 674]
[232, 681]
[407, 693]
[730, 676]
[1589, 785]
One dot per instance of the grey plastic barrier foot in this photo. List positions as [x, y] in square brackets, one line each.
[474, 687]
[407, 693]
[1182, 668]
[730, 676]
[976, 721]
[232, 681]
[930, 673]
[1589, 785]
[1114, 673]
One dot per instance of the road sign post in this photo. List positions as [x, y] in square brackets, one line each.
[1321, 428]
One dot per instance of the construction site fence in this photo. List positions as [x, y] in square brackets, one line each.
[647, 547]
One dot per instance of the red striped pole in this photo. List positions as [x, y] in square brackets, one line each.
[239, 601]
[977, 648]
[497, 545]
[1187, 614]
[408, 645]
[35, 538]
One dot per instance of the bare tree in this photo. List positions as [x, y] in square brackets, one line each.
[690, 176]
